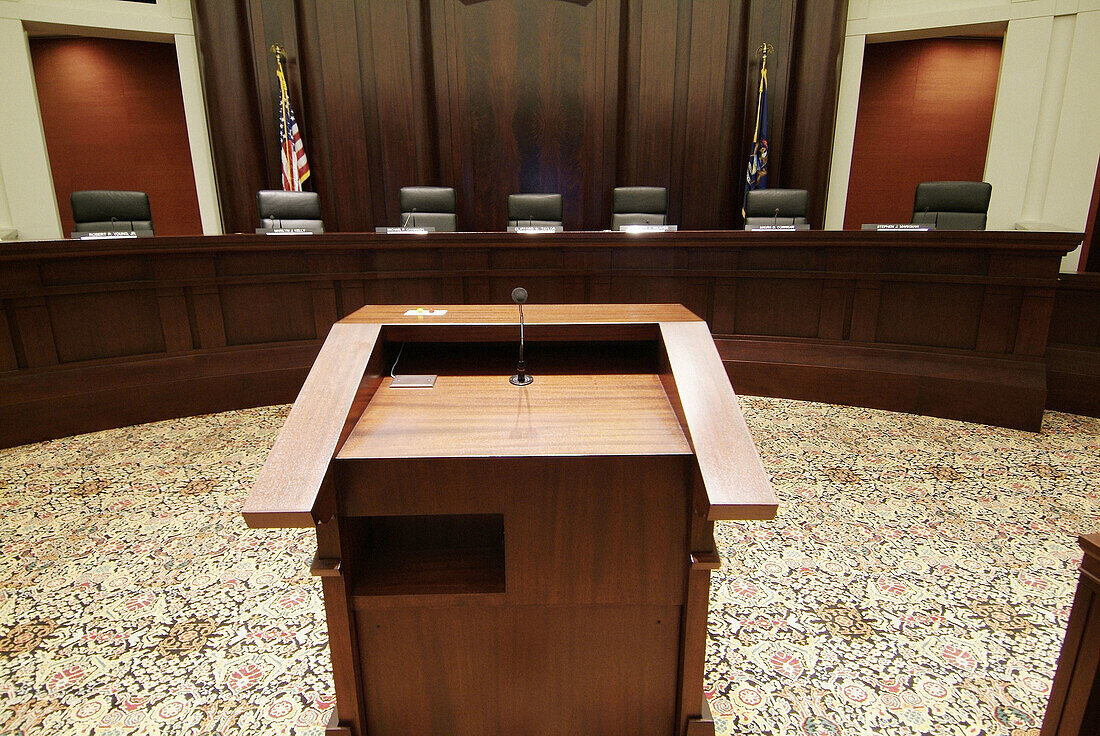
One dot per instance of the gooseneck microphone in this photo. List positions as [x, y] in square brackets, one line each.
[775, 218]
[408, 217]
[519, 296]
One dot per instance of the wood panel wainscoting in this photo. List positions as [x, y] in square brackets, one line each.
[1073, 348]
[100, 334]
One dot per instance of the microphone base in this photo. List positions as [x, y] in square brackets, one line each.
[520, 380]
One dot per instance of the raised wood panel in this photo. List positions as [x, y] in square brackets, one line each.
[647, 93]
[704, 141]
[259, 313]
[808, 134]
[105, 269]
[789, 308]
[772, 22]
[404, 291]
[1073, 349]
[106, 325]
[274, 20]
[940, 315]
[404, 119]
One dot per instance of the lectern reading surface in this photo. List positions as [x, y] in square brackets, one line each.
[516, 560]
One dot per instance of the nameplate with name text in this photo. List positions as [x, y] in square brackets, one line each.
[647, 228]
[902, 226]
[536, 229]
[287, 231]
[110, 234]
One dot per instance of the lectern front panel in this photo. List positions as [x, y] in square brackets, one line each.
[575, 614]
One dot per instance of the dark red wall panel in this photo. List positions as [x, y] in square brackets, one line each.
[925, 108]
[113, 116]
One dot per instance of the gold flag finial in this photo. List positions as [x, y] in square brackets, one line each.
[278, 50]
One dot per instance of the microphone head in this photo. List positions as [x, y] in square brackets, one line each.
[519, 295]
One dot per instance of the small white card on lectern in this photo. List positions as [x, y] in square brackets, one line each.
[413, 381]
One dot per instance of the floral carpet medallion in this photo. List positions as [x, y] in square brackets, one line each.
[917, 580]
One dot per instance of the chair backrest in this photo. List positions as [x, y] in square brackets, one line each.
[279, 209]
[776, 207]
[639, 206]
[539, 210]
[429, 207]
[110, 209]
[952, 205]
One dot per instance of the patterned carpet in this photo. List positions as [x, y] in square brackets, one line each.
[917, 580]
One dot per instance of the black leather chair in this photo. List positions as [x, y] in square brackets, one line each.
[429, 207]
[99, 210]
[776, 207]
[952, 205]
[279, 209]
[534, 210]
[639, 206]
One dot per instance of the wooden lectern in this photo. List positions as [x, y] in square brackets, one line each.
[516, 560]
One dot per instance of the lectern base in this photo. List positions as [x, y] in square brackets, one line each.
[333, 728]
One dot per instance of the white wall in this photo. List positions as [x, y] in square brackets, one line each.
[1044, 142]
[28, 203]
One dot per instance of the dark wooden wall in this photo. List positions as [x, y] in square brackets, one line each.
[925, 109]
[112, 113]
[501, 96]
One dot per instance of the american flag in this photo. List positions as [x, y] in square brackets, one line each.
[292, 152]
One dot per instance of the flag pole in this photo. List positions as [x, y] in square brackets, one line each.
[757, 171]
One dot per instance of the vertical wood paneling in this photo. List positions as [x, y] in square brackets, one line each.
[494, 98]
[811, 103]
[704, 183]
[339, 57]
[232, 112]
[650, 86]
[271, 22]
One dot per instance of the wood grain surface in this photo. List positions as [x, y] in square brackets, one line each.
[486, 416]
[286, 490]
[734, 481]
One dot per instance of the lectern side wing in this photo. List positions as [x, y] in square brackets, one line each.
[285, 493]
[736, 485]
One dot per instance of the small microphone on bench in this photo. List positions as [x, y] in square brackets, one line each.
[519, 296]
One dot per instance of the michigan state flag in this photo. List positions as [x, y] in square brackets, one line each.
[756, 175]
